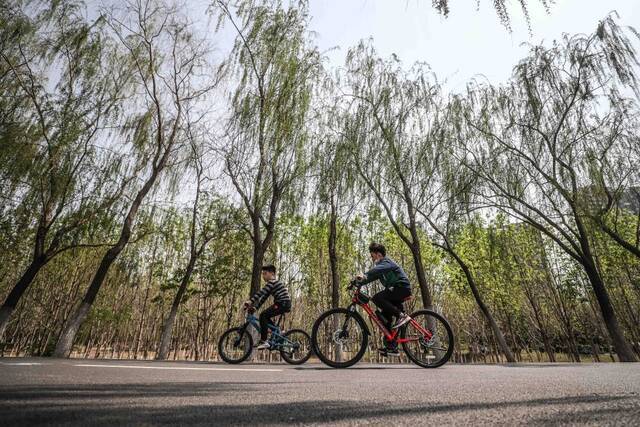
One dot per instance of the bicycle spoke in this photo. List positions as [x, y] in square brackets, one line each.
[340, 338]
[429, 341]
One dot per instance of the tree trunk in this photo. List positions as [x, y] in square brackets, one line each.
[64, 346]
[18, 290]
[500, 340]
[623, 349]
[416, 253]
[543, 333]
[136, 346]
[65, 343]
[167, 329]
[256, 269]
[333, 258]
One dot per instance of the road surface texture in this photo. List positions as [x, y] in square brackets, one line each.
[102, 392]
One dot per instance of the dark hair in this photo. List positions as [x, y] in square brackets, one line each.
[378, 249]
[270, 268]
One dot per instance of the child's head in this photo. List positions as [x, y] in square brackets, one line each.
[377, 251]
[268, 272]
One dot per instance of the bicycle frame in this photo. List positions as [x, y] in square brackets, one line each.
[389, 336]
[276, 339]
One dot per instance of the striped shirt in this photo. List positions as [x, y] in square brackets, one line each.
[273, 287]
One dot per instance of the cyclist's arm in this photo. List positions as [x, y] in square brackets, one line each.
[261, 295]
[374, 274]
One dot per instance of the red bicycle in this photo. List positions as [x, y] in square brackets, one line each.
[340, 336]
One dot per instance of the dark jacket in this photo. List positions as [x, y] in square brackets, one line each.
[389, 273]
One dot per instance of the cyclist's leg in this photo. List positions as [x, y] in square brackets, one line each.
[267, 315]
[396, 297]
[381, 300]
[265, 318]
[385, 301]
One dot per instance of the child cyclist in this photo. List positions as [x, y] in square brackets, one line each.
[281, 302]
[396, 289]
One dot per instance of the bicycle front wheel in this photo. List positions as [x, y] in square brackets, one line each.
[296, 348]
[339, 337]
[235, 345]
[427, 339]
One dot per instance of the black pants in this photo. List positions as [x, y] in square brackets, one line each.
[266, 315]
[390, 301]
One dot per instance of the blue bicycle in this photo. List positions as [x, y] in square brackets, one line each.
[235, 344]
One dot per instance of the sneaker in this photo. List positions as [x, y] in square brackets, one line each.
[404, 318]
[264, 345]
[387, 352]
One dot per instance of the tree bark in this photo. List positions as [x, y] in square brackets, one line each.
[18, 290]
[416, 253]
[623, 349]
[541, 327]
[333, 257]
[65, 343]
[500, 340]
[167, 329]
[256, 268]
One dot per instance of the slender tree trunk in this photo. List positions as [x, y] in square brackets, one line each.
[416, 253]
[623, 349]
[146, 298]
[256, 268]
[65, 342]
[333, 257]
[500, 340]
[138, 337]
[541, 327]
[167, 329]
[18, 290]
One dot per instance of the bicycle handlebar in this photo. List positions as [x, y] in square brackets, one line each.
[355, 284]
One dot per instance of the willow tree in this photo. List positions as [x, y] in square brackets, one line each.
[171, 73]
[265, 146]
[391, 126]
[452, 203]
[532, 144]
[66, 82]
[334, 178]
[210, 218]
[613, 159]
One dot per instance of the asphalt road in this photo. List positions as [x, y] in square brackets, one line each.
[100, 392]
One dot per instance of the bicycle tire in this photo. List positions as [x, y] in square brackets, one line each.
[363, 341]
[409, 352]
[306, 356]
[246, 352]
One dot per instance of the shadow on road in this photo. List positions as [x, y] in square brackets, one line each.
[163, 403]
[360, 368]
[108, 391]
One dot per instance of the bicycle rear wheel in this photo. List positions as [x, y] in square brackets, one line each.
[430, 339]
[235, 345]
[339, 337]
[296, 348]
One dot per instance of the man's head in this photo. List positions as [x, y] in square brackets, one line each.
[268, 272]
[377, 252]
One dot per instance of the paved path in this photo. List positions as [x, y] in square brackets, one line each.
[100, 392]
